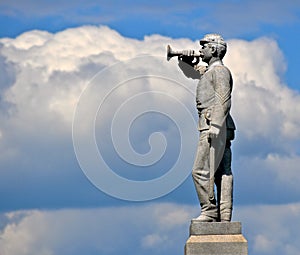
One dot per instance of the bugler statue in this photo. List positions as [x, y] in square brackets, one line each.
[212, 165]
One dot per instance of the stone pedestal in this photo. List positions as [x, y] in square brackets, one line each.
[216, 238]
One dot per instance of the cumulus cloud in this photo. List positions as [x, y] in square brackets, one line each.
[269, 107]
[134, 229]
[52, 72]
[139, 229]
[44, 75]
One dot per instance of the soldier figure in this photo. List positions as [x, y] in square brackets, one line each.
[213, 98]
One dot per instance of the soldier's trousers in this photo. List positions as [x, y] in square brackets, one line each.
[220, 208]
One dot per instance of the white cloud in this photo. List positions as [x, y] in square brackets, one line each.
[52, 73]
[96, 231]
[152, 240]
[286, 169]
[262, 243]
[54, 68]
[263, 104]
[137, 229]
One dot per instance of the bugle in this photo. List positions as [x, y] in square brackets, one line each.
[189, 53]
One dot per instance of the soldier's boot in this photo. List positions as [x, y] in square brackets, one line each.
[209, 211]
[225, 202]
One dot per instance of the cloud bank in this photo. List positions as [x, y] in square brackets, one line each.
[141, 229]
[43, 76]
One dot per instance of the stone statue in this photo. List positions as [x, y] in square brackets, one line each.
[212, 164]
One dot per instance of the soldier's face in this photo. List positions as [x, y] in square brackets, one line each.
[206, 53]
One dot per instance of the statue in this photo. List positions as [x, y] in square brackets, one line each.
[216, 126]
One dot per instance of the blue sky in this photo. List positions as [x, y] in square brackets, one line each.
[59, 55]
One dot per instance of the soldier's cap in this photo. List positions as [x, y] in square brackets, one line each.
[213, 38]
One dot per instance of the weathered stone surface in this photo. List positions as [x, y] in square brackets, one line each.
[215, 228]
[216, 245]
[216, 238]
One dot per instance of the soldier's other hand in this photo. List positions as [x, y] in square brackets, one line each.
[201, 69]
[213, 132]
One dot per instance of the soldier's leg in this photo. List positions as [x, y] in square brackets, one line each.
[224, 183]
[201, 180]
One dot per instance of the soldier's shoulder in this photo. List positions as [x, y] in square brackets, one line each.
[222, 70]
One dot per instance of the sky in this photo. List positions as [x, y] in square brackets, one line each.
[85, 85]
